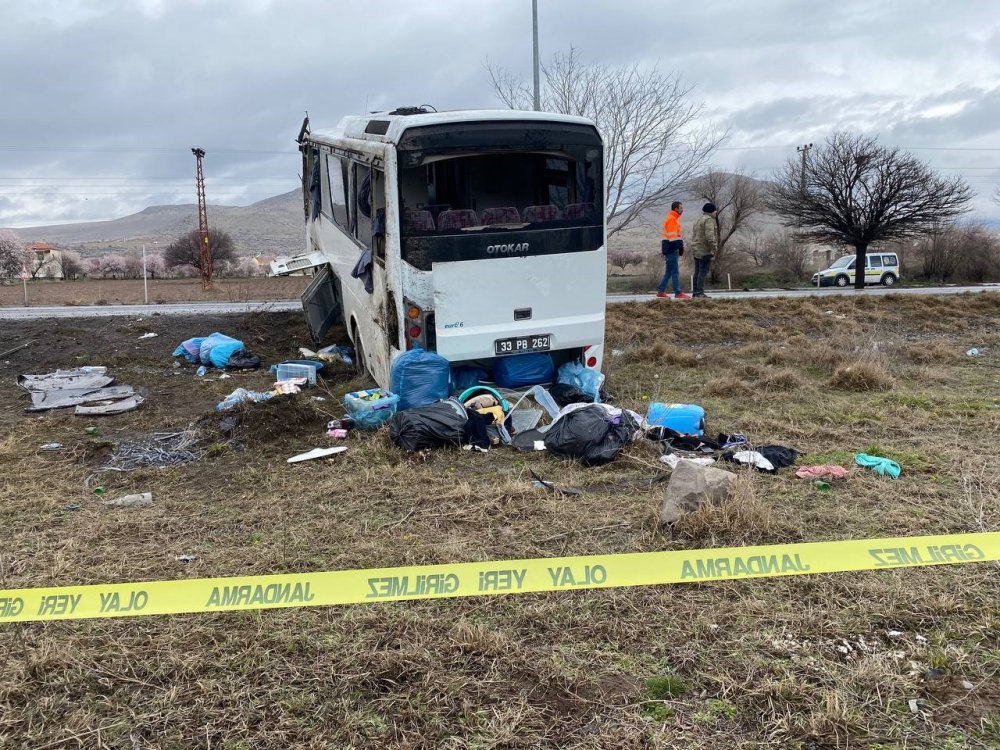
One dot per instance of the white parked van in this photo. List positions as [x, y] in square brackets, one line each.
[880, 268]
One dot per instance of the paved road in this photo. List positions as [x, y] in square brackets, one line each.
[97, 311]
[877, 291]
[186, 308]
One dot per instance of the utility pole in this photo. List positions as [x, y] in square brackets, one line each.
[145, 288]
[804, 151]
[534, 31]
[205, 248]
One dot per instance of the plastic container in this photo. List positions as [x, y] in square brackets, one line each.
[317, 367]
[543, 398]
[371, 408]
[686, 418]
[287, 371]
[522, 420]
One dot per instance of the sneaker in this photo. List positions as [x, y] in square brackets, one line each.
[681, 295]
[701, 296]
[662, 295]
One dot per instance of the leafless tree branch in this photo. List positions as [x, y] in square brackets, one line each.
[652, 142]
[858, 193]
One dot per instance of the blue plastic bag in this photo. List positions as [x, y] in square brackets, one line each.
[467, 377]
[587, 379]
[190, 350]
[523, 369]
[420, 378]
[217, 348]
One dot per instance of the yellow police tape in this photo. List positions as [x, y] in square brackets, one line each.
[489, 578]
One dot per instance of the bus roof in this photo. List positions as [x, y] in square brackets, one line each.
[387, 128]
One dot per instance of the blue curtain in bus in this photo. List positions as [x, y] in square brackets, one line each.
[363, 270]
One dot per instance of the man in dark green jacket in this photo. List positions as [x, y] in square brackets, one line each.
[704, 243]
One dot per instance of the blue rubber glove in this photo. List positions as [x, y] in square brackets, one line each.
[884, 467]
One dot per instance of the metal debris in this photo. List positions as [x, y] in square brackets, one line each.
[157, 449]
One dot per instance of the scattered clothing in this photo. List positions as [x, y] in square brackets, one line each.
[680, 441]
[821, 472]
[778, 455]
[884, 467]
[672, 459]
[363, 270]
[734, 440]
[752, 459]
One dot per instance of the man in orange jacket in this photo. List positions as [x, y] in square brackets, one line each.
[672, 247]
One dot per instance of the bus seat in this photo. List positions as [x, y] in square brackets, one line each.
[541, 213]
[419, 221]
[457, 219]
[576, 211]
[436, 208]
[505, 215]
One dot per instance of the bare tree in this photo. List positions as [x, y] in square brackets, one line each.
[963, 253]
[646, 117]
[69, 264]
[756, 246]
[738, 198]
[11, 255]
[791, 256]
[186, 251]
[856, 192]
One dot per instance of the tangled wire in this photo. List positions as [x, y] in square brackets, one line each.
[156, 449]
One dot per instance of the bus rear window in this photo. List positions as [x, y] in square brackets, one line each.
[501, 192]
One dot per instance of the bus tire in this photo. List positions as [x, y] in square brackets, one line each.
[842, 280]
[888, 279]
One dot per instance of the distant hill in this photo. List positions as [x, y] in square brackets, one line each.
[273, 226]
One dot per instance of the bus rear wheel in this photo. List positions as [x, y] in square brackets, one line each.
[888, 279]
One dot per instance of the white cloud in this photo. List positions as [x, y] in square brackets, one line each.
[99, 90]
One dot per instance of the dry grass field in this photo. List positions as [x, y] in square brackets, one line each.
[130, 291]
[886, 660]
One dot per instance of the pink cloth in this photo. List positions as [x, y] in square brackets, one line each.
[821, 472]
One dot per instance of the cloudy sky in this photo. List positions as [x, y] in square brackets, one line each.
[102, 100]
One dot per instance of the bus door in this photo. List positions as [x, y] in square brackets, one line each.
[367, 186]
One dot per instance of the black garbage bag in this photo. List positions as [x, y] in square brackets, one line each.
[565, 394]
[591, 435]
[242, 359]
[431, 426]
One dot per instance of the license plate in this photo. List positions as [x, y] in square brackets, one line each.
[541, 342]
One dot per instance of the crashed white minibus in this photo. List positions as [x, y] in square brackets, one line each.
[475, 234]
